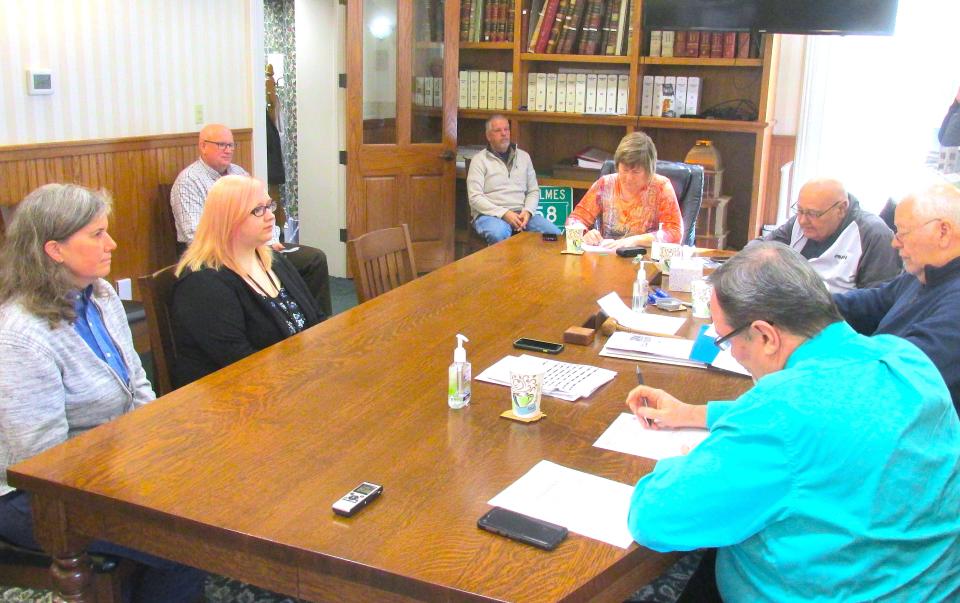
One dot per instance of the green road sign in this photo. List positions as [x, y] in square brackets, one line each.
[556, 203]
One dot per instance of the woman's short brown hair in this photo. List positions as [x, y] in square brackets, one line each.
[636, 150]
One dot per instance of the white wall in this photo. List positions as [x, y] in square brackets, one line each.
[320, 129]
[127, 67]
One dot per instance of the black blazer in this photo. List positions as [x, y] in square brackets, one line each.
[218, 319]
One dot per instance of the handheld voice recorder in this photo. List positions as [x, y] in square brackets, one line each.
[357, 499]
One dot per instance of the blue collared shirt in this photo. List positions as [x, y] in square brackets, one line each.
[834, 479]
[89, 325]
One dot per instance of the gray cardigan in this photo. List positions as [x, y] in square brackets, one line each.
[53, 386]
[495, 187]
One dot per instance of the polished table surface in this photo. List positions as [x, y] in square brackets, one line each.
[236, 473]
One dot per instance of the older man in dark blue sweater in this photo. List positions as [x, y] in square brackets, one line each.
[923, 304]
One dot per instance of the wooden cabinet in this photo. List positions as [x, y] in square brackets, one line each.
[550, 137]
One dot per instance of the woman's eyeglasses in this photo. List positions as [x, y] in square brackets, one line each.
[259, 210]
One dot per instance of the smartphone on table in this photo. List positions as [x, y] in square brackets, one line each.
[537, 345]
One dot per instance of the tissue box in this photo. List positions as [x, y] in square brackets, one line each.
[683, 271]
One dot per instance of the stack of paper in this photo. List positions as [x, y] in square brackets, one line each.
[665, 350]
[586, 504]
[582, 380]
[655, 324]
[698, 353]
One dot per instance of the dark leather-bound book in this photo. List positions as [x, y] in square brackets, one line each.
[729, 44]
[706, 38]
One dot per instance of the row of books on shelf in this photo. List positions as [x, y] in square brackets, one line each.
[486, 21]
[486, 90]
[428, 91]
[578, 93]
[429, 21]
[576, 26]
[574, 92]
[702, 44]
[670, 96]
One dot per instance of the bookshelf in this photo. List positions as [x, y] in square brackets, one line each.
[550, 137]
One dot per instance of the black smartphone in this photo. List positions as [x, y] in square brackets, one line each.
[530, 530]
[630, 252]
[547, 347]
[549, 236]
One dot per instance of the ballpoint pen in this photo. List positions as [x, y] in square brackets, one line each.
[646, 403]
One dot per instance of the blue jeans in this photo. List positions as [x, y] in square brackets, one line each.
[493, 229]
[160, 581]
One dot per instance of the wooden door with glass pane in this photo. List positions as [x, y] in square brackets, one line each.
[401, 121]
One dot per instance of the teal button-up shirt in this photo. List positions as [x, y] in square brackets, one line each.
[834, 479]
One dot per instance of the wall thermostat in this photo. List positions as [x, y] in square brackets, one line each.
[39, 81]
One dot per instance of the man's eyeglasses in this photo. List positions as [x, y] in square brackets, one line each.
[902, 233]
[813, 213]
[259, 210]
[223, 146]
[724, 342]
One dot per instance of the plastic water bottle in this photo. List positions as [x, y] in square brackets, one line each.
[659, 238]
[640, 289]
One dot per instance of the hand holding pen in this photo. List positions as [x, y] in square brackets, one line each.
[657, 409]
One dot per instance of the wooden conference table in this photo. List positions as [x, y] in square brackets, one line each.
[236, 473]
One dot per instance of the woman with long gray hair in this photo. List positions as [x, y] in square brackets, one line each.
[67, 362]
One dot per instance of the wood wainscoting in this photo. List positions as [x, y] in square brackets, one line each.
[782, 151]
[130, 169]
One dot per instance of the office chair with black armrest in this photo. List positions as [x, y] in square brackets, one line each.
[687, 180]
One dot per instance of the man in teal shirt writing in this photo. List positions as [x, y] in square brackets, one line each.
[835, 478]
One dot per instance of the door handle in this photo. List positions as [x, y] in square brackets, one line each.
[448, 155]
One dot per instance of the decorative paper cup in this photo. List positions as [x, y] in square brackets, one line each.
[668, 251]
[700, 292]
[574, 237]
[526, 387]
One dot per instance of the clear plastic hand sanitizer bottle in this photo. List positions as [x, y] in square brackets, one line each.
[458, 384]
[640, 289]
[659, 237]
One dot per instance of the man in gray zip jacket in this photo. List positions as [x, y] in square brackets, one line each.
[502, 188]
[847, 246]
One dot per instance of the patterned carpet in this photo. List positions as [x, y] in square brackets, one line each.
[664, 589]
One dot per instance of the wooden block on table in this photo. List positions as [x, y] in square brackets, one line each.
[579, 335]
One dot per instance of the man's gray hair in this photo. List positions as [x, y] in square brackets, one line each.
[937, 201]
[490, 120]
[771, 282]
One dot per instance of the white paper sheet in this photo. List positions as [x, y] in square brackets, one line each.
[589, 505]
[655, 324]
[627, 435]
[597, 249]
[649, 348]
[499, 374]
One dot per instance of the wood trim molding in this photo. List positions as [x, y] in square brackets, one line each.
[130, 169]
[782, 151]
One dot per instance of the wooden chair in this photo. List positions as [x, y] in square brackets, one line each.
[381, 260]
[157, 292]
[27, 568]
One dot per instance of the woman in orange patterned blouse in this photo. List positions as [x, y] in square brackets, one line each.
[625, 209]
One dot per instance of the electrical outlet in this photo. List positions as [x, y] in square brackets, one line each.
[124, 289]
[198, 114]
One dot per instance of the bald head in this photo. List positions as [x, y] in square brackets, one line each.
[216, 146]
[821, 207]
